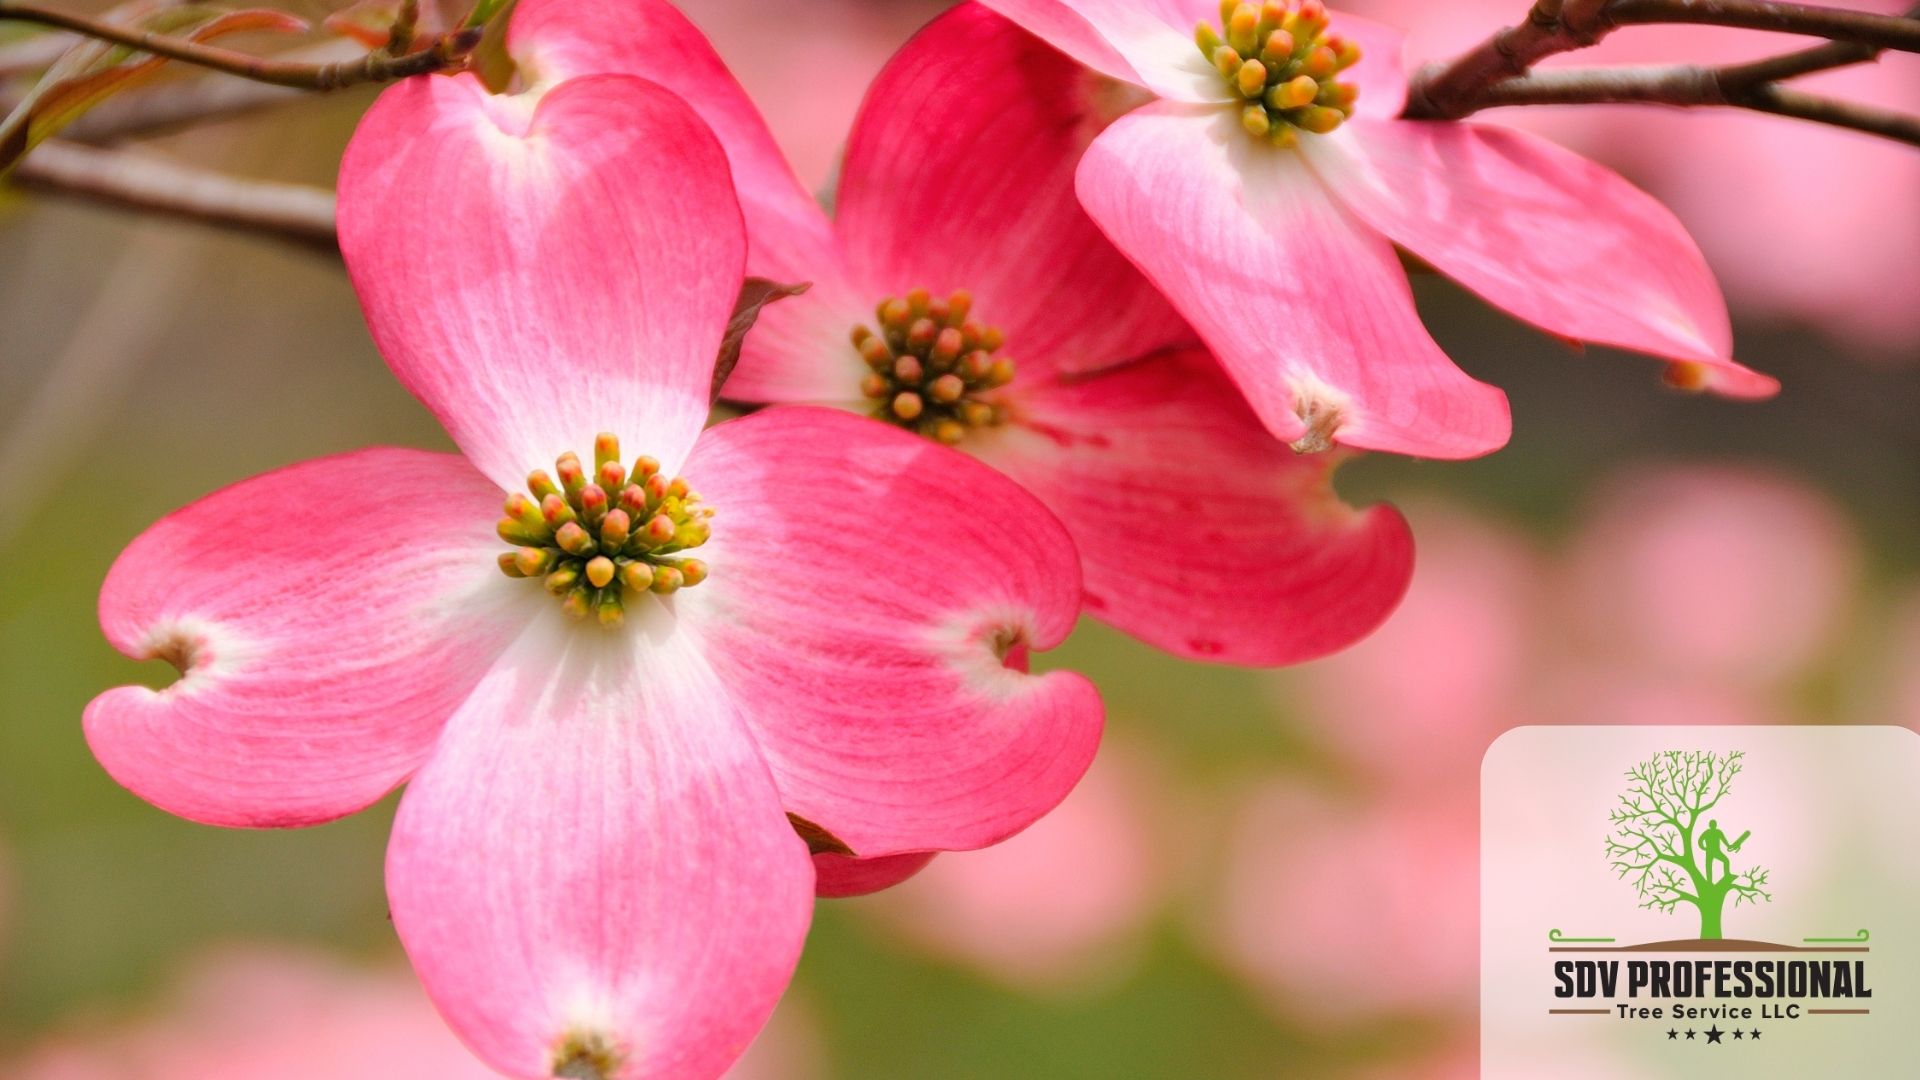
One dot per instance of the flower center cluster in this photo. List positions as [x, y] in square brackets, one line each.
[594, 540]
[1280, 58]
[932, 367]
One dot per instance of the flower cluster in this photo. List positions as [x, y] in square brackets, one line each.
[613, 833]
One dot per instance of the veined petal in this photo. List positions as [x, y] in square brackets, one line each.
[984, 201]
[869, 590]
[1145, 42]
[556, 40]
[541, 268]
[1537, 230]
[840, 876]
[595, 862]
[789, 237]
[1260, 564]
[1306, 307]
[327, 619]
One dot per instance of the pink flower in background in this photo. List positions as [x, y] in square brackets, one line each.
[272, 1014]
[1198, 533]
[1065, 903]
[1730, 575]
[1265, 193]
[595, 865]
[1851, 264]
[1687, 594]
[1321, 894]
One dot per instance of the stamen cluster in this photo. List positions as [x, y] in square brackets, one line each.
[1280, 58]
[932, 367]
[594, 539]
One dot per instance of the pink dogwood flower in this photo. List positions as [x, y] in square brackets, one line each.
[796, 623]
[1267, 188]
[962, 293]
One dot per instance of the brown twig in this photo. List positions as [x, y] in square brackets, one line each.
[1448, 91]
[449, 51]
[1457, 89]
[1867, 28]
[1688, 86]
[1781, 101]
[128, 180]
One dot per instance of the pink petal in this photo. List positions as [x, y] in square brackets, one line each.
[1540, 231]
[538, 271]
[1263, 564]
[840, 876]
[789, 236]
[596, 857]
[987, 203]
[1145, 42]
[328, 618]
[556, 40]
[1306, 308]
[869, 590]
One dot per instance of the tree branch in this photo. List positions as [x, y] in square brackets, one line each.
[1460, 88]
[1686, 86]
[1867, 28]
[294, 213]
[449, 51]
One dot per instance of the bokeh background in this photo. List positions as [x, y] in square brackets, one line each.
[1266, 873]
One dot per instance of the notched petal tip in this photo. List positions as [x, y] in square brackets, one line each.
[587, 1055]
[820, 840]
[195, 649]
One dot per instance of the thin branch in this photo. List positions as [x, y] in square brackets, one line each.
[1687, 86]
[1446, 92]
[1800, 105]
[294, 213]
[1458, 89]
[449, 52]
[1867, 28]
[181, 103]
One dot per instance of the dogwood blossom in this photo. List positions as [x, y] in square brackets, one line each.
[797, 624]
[1267, 189]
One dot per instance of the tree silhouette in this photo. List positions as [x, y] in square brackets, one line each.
[1657, 839]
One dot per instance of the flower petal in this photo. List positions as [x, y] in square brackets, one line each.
[558, 40]
[1145, 42]
[1540, 231]
[596, 860]
[987, 203]
[869, 588]
[1307, 308]
[538, 272]
[789, 236]
[327, 619]
[841, 876]
[1262, 564]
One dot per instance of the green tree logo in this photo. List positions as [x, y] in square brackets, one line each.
[1666, 841]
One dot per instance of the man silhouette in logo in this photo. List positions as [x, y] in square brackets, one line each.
[1713, 843]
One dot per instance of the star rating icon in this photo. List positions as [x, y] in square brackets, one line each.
[1714, 1033]
[1689, 1033]
[1672, 1034]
